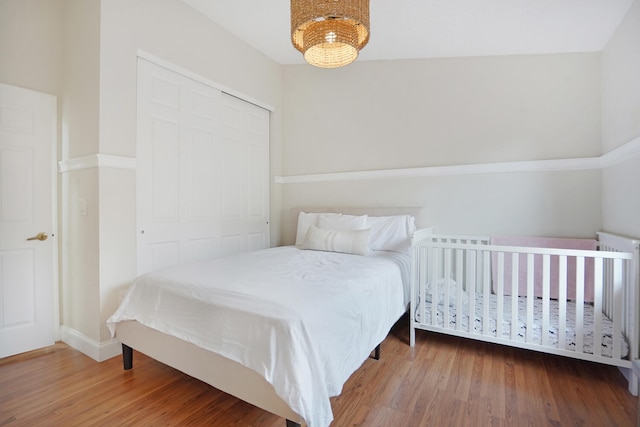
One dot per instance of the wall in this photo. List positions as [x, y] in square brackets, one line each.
[433, 113]
[79, 275]
[31, 44]
[381, 115]
[621, 124]
[84, 52]
[178, 34]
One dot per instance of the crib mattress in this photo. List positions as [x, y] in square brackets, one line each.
[588, 327]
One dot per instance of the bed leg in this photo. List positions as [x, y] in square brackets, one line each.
[376, 352]
[292, 424]
[127, 357]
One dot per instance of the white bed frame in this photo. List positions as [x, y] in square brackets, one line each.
[218, 371]
[211, 368]
[616, 276]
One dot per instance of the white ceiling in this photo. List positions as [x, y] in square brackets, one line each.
[403, 29]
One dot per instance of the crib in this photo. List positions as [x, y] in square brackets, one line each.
[571, 297]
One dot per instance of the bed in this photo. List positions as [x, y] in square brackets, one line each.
[282, 328]
[571, 297]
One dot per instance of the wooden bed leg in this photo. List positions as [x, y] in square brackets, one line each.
[127, 357]
[376, 352]
[292, 424]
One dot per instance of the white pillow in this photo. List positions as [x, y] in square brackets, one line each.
[391, 233]
[348, 242]
[342, 222]
[331, 221]
[304, 221]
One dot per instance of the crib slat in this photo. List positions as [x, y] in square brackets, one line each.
[471, 277]
[530, 297]
[597, 307]
[546, 283]
[447, 278]
[486, 291]
[500, 291]
[580, 304]
[608, 303]
[515, 260]
[433, 280]
[422, 281]
[562, 301]
[459, 281]
[616, 286]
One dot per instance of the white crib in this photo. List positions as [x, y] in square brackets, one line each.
[571, 302]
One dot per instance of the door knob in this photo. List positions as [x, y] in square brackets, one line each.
[40, 236]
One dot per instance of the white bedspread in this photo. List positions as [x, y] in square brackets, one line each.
[304, 320]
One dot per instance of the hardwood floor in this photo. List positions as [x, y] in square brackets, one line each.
[442, 381]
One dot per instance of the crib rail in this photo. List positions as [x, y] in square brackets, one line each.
[465, 286]
[631, 292]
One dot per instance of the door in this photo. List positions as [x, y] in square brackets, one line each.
[27, 219]
[202, 171]
[244, 144]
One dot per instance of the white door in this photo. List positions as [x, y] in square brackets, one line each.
[27, 219]
[202, 171]
[244, 143]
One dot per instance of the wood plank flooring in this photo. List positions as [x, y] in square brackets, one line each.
[442, 381]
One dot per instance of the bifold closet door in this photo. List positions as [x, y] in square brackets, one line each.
[202, 171]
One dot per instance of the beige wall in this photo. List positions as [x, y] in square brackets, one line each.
[621, 124]
[79, 273]
[413, 113]
[84, 51]
[175, 33]
[421, 113]
[368, 116]
[542, 203]
[31, 44]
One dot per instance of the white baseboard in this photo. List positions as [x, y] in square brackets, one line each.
[99, 351]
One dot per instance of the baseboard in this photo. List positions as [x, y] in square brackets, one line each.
[99, 351]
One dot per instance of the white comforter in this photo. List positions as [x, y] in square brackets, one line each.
[304, 320]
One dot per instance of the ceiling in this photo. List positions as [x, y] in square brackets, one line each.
[406, 29]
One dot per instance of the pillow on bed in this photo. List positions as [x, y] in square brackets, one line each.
[330, 221]
[342, 222]
[348, 242]
[391, 233]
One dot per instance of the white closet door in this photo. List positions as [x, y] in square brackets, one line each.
[244, 131]
[201, 166]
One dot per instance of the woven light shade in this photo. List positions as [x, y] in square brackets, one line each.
[329, 33]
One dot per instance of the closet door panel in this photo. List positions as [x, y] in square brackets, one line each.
[163, 254]
[245, 127]
[203, 175]
[164, 165]
[177, 193]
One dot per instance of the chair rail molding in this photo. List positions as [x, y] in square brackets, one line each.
[617, 155]
[97, 161]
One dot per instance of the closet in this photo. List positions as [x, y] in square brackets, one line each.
[202, 170]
